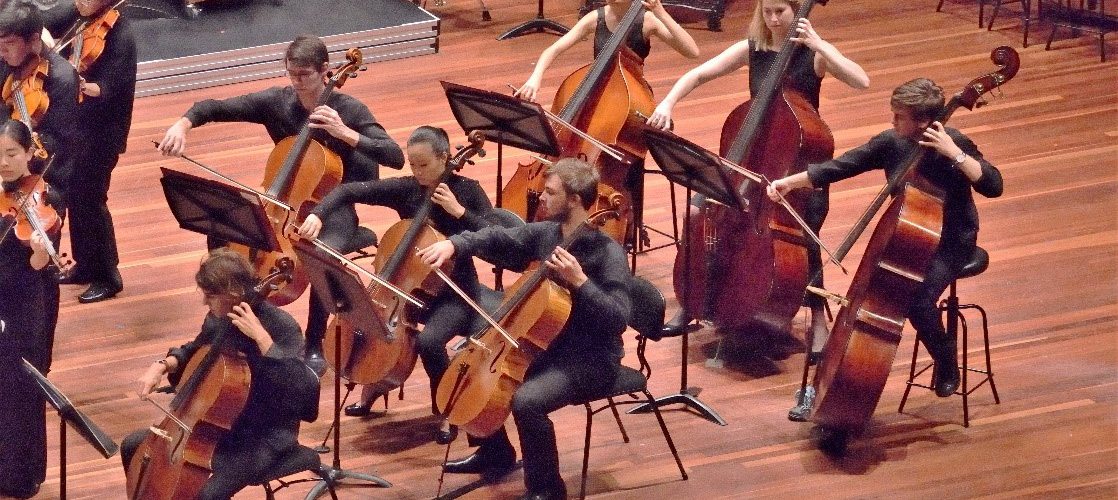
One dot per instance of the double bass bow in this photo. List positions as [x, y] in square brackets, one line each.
[747, 270]
[609, 100]
[387, 357]
[477, 389]
[300, 172]
[863, 342]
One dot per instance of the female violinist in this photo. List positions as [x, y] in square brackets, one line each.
[957, 169]
[283, 390]
[343, 125]
[770, 24]
[40, 89]
[585, 354]
[655, 22]
[29, 313]
[102, 48]
[460, 205]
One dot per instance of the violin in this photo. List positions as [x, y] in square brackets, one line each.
[25, 213]
[89, 44]
[859, 353]
[607, 102]
[29, 99]
[746, 270]
[387, 357]
[300, 171]
[475, 393]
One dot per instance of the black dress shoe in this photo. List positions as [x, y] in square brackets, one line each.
[315, 360]
[677, 324]
[99, 291]
[557, 493]
[448, 436]
[74, 277]
[482, 463]
[359, 409]
[946, 380]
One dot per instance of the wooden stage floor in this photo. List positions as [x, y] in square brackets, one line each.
[1050, 289]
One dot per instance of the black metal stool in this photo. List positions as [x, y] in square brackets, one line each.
[977, 264]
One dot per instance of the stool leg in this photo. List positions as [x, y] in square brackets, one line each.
[986, 349]
[586, 450]
[911, 374]
[667, 435]
[964, 388]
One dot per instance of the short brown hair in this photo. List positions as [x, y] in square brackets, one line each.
[922, 97]
[577, 177]
[224, 271]
[307, 51]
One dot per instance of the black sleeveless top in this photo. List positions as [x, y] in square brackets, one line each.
[800, 75]
[636, 39]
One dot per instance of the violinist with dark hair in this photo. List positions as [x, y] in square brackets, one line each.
[958, 168]
[283, 390]
[343, 125]
[101, 46]
[29, 312]
[585, 355]
[460, 204]
[40, 89]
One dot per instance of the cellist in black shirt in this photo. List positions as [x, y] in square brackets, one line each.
[108, 88]
[585, 355]
[460, 204]
[343, 125]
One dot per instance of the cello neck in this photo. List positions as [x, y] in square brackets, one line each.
[770, 86]
[602, 64]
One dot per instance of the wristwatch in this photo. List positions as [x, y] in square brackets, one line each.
[959, 159]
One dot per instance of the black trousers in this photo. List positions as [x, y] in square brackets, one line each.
[238, 462]
[815, 212]
[338, 228]
[450, 317]
[552, 382]
[924, 313]
[23, 433]
[92, 236]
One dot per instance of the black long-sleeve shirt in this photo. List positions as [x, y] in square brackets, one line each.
[281, 113]
[59, 127]
[600, 307]
[889, 151]
[283, 391]
[405, 195]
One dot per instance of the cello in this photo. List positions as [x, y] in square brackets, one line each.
[609, 100]
[863, 342]
[747, 270]
[476, 395]
[387, 357]
[300, 172]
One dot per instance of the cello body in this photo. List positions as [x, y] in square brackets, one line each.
[174, 463]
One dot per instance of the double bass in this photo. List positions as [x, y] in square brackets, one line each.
[475, 393]
[387, 357]
[300, 172]
[747, 270]
[863, 342]
[608, 100]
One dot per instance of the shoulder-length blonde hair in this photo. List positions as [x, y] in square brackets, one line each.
[760, 37]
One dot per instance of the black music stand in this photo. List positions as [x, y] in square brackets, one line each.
[218, 210]
[538, 25]
[688, 164]
[68, 414]
[341, 292]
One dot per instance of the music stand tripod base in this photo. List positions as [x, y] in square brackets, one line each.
[538, 25]
[337, 475]
[684, 398]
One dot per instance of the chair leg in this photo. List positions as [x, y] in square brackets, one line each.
[667, 435]
[939, 5]
[617, 417]
[586, 450]
[268, 493]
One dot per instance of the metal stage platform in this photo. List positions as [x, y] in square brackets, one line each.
[245, 41]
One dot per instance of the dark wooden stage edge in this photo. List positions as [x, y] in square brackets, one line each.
[245, 42]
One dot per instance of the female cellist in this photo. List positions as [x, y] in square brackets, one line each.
[343, 125]
[957, 168]
[770, 24]
[282, 390]
[600, 24]
[460, 204]
[586, 352]
[29, 313]
[100, 45]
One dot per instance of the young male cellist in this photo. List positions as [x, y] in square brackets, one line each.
[958, 168]
[283, 389]
[585, 355]
[343, 125]
[460, 204]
